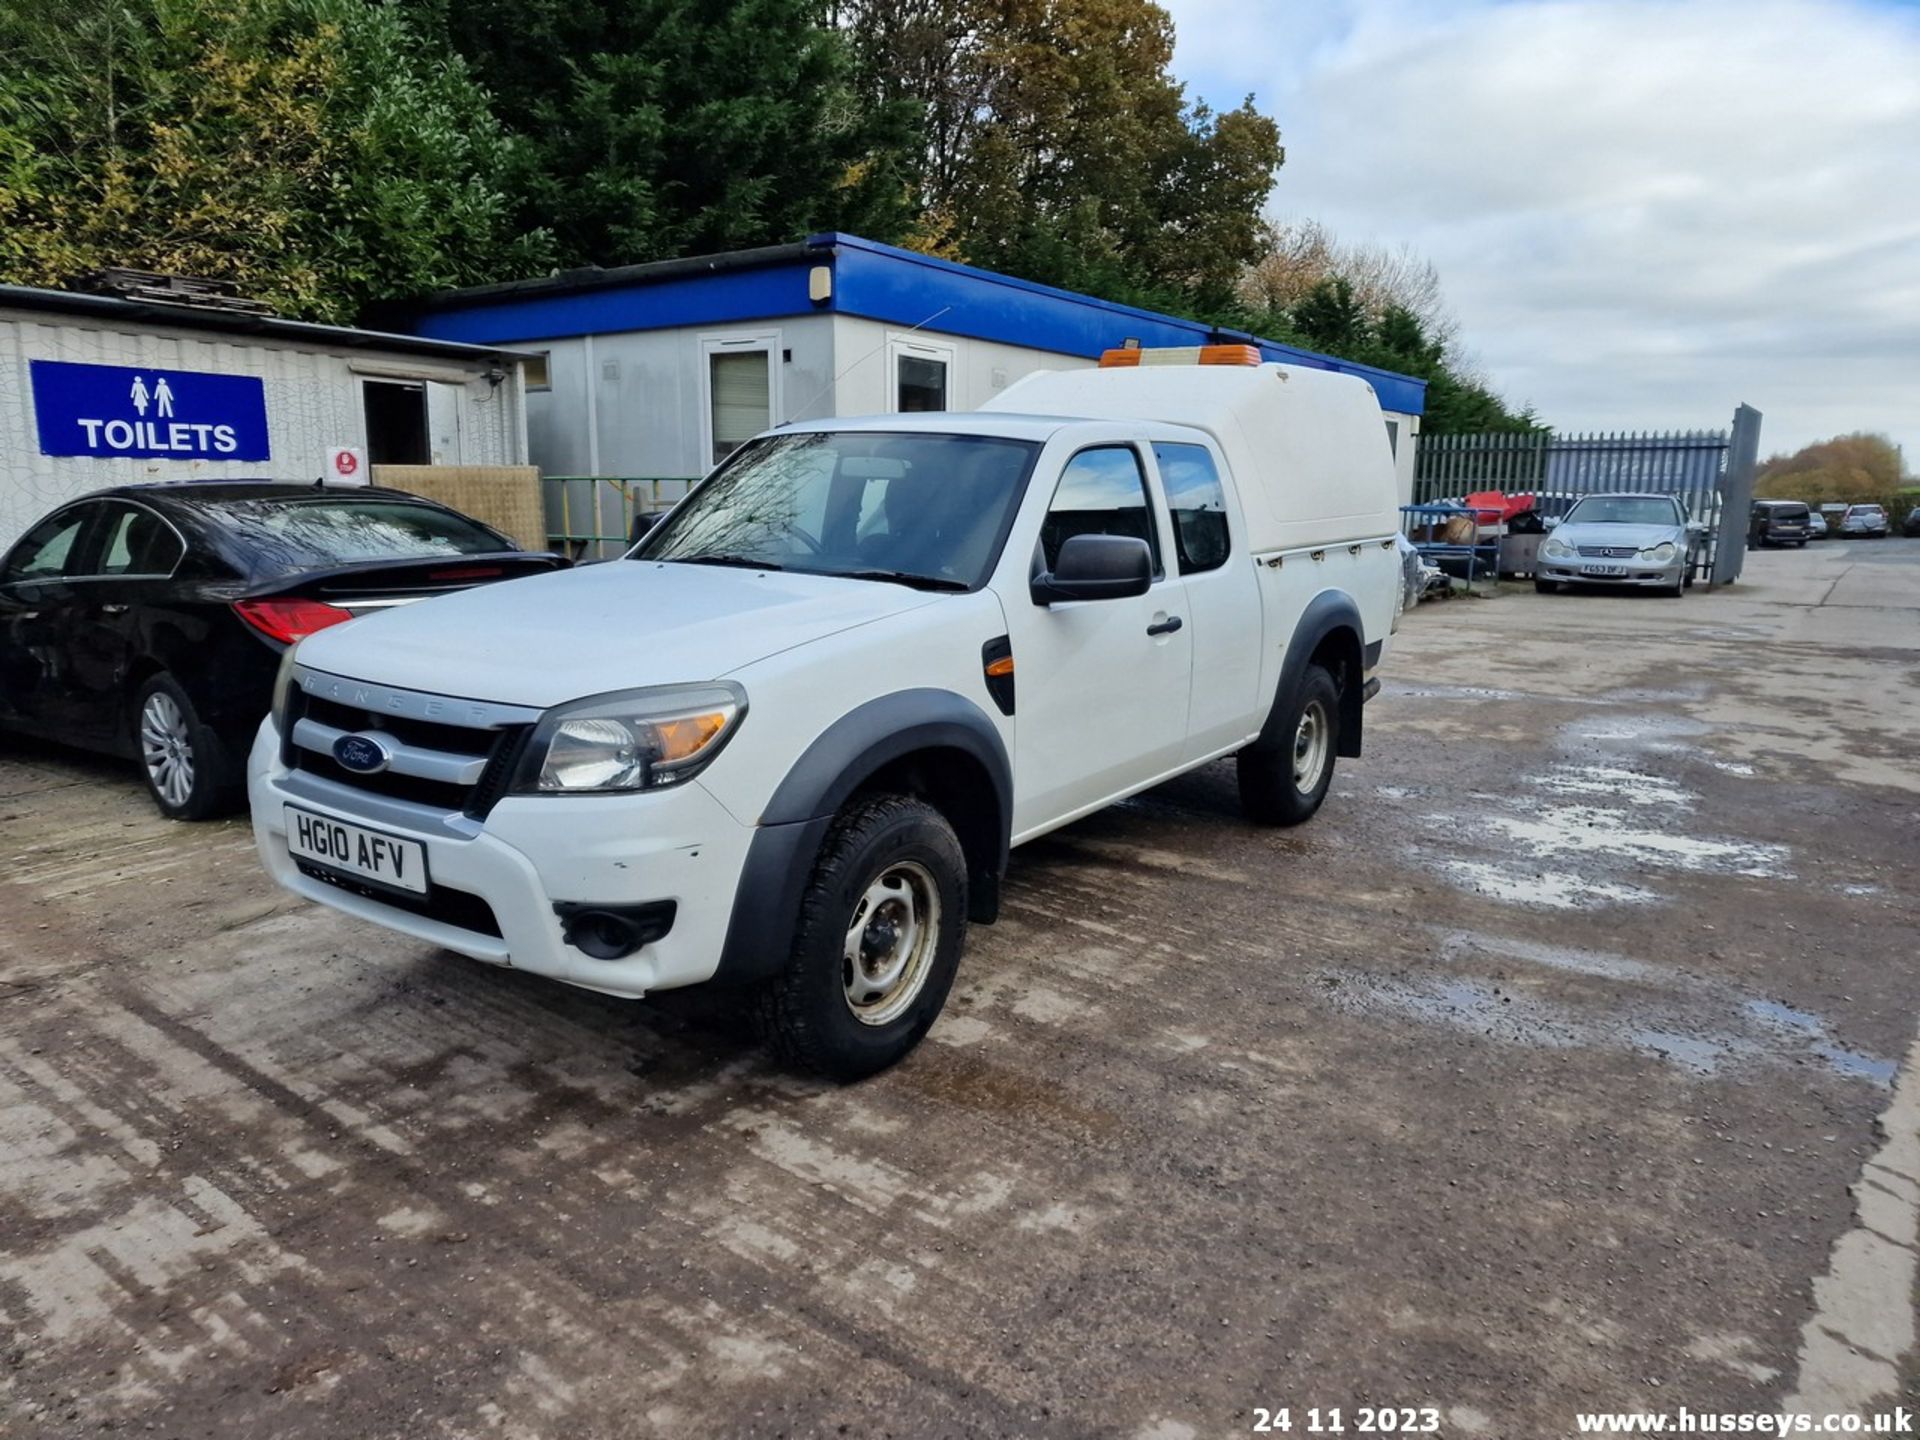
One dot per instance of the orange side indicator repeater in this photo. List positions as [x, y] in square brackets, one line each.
[996, 663]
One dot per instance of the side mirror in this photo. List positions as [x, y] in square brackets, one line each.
[1696, 527]
[1552, 520]
[642, 523]
[1096, 567]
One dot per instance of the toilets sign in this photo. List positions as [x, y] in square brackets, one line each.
[117, 411]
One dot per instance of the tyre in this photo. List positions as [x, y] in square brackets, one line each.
[1799, 544]
[882, 923]
[187, 769]
[1284, 784]
[1546, 587]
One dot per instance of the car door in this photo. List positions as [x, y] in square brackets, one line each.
[1223, 607]
[36, 616]
[129, 560]
[1103, 684]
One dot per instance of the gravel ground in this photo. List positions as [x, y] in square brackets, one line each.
[1530, 1078]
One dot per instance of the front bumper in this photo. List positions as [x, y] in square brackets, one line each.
[529, 854]
[1639, 573]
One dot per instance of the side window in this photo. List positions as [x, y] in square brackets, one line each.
[1198, 503]
[1103, 491]
[137, 542]
[44, 553]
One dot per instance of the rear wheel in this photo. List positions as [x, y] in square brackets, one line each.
[1284, 783]
[187, 769]
[882, 923]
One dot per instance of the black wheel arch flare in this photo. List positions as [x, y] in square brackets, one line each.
[924, 738]
[1329, 632]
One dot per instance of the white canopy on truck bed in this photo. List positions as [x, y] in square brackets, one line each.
[1308, 448]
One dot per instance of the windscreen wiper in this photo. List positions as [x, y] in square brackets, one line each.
[903, 577]
[744, 562]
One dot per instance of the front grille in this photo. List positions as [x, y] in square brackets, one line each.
[459, 908]
[498, 746]
[1607, 552]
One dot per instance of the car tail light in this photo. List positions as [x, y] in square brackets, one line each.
[289, 620]
[467, 572]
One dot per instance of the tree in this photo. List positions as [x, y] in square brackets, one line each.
[1388, 312]
[1057, 146]
[1848, 468]
[650, 128]
[311, 151]
[1300, 254]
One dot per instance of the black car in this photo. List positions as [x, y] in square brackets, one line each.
[1779, 522]
[148, 621]
[1910, 527]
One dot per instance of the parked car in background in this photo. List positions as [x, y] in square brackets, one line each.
[1643, 540]
[148, 621]
[1910, 527]
[1816, 525]
[1778, 522]
[1866, 522]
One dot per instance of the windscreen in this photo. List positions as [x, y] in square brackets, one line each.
[907, 507]
[276, 537]
[1625, 510]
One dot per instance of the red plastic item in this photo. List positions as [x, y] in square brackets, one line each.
[1496, 507]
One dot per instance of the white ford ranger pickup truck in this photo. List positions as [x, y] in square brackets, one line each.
[786, 743]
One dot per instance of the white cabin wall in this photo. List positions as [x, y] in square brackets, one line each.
[313, 401]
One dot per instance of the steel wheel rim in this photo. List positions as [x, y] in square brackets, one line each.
[1310, 746]
[890, 944]
[166, 747]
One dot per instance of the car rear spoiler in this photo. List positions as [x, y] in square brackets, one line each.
[439, 574]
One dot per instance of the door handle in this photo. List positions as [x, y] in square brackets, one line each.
[1165, 627]
[113, 609]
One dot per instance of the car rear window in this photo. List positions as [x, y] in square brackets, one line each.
[277, 536]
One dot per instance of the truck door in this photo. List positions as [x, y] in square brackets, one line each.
[1223, 607]
[1103, 683]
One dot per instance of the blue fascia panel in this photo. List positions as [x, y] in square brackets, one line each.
[902, 287]
[723, 298]
[881, 283]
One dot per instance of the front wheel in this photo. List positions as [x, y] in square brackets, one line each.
[1283, 784]
[882, 923]
[187, 769]
[1546, 587]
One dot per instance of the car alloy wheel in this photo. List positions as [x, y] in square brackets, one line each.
[166, 748]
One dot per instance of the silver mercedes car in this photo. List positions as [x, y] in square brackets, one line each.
[1643, 540]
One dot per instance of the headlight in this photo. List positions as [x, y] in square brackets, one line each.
[630, 740]
[1660, 553]
[282, 682]
[1558, 548]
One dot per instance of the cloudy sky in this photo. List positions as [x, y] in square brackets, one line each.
[1644, 211]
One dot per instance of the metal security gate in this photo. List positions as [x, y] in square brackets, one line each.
[1709, 471]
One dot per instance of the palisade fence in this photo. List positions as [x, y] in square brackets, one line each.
[1709, 471]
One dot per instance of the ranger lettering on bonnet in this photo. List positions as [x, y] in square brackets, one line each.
[786, 744]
